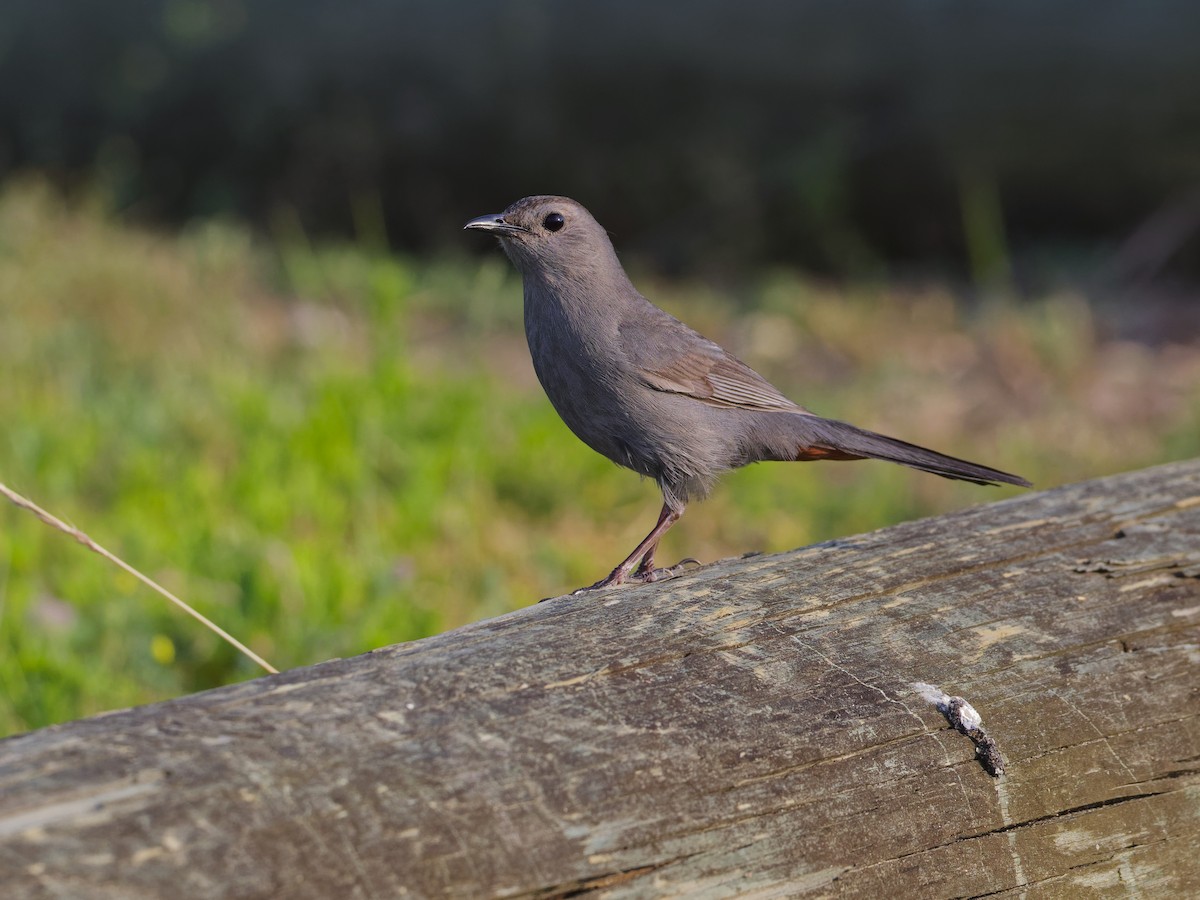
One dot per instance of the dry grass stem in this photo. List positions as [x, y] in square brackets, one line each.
[74, 532]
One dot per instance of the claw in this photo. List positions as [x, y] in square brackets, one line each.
[643, 575]
[669, 571]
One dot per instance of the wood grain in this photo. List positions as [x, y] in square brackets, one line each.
[751, 729]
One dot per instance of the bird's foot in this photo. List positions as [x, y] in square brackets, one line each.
[647, 574]
[643, 575]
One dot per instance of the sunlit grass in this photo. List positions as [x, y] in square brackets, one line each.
[327, 448]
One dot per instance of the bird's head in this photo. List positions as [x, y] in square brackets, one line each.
[551, 237]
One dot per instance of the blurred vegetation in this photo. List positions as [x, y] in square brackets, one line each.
[327, 448]
[844, 137]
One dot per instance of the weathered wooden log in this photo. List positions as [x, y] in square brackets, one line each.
[752, 728]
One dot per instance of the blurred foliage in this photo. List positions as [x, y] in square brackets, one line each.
[327, 448]
[845, 137]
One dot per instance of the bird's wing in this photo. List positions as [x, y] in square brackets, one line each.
[670, 357]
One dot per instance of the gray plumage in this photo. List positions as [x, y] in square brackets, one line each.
[638, 386]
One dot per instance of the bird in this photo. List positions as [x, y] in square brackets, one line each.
[640, 387]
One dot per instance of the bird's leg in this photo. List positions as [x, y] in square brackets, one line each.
[645, 568]
[646, 572]
[643, 553]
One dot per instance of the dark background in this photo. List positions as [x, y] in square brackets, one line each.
[1017, 142]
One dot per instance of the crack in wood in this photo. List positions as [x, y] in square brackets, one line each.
[1173, 773]
[1007, 829]
[1157, 513]
[1063, 814]
[1066, 872]
[799, 768]
[593, 883]
[1123, 568]
[1026, 661]
[961, 571]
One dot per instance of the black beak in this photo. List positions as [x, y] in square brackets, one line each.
[495, 223]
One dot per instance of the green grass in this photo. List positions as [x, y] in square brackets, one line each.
[328, 448]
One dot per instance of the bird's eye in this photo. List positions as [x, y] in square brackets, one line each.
[554, 221]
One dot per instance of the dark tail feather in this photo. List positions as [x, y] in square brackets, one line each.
[831, 439]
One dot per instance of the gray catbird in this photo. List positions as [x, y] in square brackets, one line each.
[638, 386]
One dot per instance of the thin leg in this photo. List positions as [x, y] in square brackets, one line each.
[643, 553]
[646, 571]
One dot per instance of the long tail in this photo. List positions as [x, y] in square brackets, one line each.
[830, 439]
